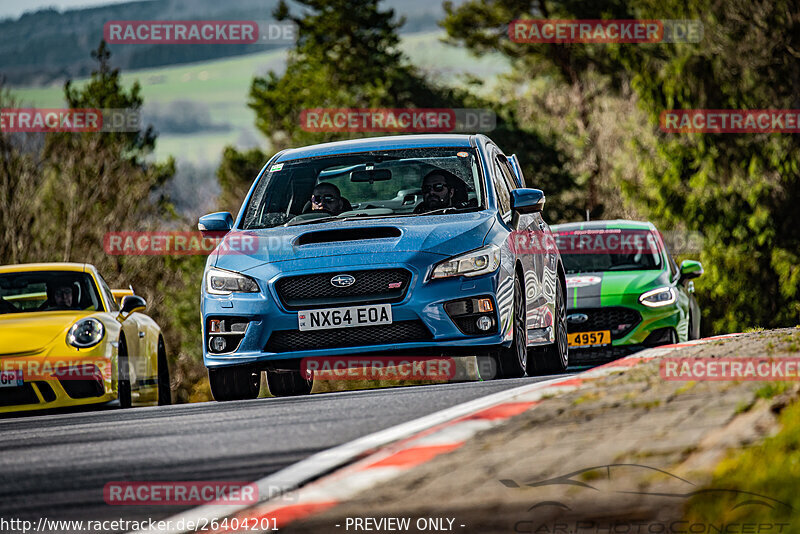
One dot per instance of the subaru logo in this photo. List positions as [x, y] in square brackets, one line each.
[343, 280]
[577, 318]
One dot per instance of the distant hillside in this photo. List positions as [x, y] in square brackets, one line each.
[48, 45]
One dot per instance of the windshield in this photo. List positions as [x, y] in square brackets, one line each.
[48, 291]
[599, 250]
[408, 182]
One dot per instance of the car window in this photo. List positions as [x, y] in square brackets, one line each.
[365, 184]
[501, 187]
[609, 249]
[112, 303]
[508, 173]
[38, 291]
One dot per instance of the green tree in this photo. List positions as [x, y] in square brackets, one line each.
[739, 190]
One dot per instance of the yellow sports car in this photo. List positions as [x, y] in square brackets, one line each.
[66, 339]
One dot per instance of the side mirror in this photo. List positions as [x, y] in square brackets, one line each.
[527, 200]
[222, 221]
[132, 303]
[691, 269]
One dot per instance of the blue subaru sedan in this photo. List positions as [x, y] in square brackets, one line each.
[413, 245]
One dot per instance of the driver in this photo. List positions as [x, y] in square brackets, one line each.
[437, 192]
[326, 197]
[62, 297]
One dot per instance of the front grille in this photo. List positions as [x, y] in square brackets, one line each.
[83, 389]
[46, 391]
[15, 396]
[619, 320]
[397, 332]
[599, 355]
[316, 290]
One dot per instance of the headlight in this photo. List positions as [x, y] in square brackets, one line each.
[219, 282]
[662, 296]
[85, 333]
[482, 261]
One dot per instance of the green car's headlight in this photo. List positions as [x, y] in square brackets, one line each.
[482, 261]
[663, 296]
[219, 282]
[86, 333]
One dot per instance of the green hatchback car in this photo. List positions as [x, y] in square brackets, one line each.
[625, 292]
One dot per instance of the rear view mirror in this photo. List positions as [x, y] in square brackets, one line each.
[372, 175]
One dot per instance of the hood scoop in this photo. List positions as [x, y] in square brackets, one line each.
[347, 234]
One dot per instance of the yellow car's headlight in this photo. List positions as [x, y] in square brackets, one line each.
[86, 333]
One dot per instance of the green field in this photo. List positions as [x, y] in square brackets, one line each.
[220, 88]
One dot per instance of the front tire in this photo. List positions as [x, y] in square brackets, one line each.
[553, 358]
[288, 383]
[511, 361]
[234, 383]
[164, 393]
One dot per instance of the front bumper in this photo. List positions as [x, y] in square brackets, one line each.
[422, 305]
[51, 382]
[645, 333]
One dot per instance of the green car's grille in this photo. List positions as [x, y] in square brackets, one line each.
[618, 319]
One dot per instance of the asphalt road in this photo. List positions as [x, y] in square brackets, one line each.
[55, 466]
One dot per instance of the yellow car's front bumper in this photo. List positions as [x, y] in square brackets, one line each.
[49, 383]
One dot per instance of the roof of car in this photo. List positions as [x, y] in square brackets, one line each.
[56, 266]
[377, 143]
[621, 224]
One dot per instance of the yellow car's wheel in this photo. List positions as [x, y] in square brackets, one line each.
[123, 375]
[164, 393]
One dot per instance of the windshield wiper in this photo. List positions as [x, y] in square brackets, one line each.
[331, 218]
[449, 209]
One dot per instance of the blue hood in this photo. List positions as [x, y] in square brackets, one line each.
[443, 235]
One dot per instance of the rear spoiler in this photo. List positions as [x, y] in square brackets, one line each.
[120, 293]
[517, 170]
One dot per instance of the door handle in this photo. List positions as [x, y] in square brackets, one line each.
[141, 335]
[541, 226]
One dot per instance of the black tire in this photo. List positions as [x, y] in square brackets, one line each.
[511, 361]
[234, 383]
[123, 375]
[288, 383]
[553, 358]
[164, 393]
[691, 335]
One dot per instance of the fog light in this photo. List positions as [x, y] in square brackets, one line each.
[485, 323]
[485, 305]
[217, 343]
